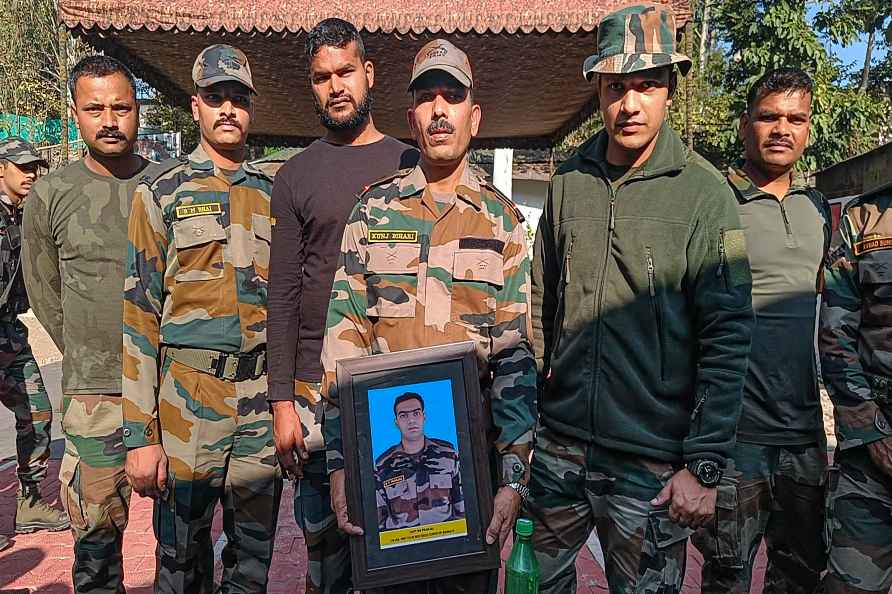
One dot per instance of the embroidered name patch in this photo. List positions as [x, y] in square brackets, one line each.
[394, 480]
[194, 210]
[872, 245]
[393, 236]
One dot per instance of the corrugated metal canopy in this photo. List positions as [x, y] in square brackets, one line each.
[527, 55]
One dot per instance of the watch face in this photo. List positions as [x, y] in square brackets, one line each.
[708, 473]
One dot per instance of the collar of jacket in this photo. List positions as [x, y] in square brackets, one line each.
[747, 191]
[468, 188]
[669, 156]
[199, 160]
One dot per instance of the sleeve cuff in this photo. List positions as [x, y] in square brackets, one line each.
[334, 460]
[279, 391]
[858, 432]
[138, 435]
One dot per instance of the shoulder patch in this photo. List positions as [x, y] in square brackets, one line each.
[505, 200]
[387, 178]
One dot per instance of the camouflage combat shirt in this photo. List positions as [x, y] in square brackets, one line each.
[11, 279]
[74, 242]
[855, 337]
[197, 270]
[418, 489]
[413, 273]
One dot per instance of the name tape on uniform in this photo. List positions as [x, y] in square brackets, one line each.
[872, 245]
[194, 210]
[394, 480]
[393, 236]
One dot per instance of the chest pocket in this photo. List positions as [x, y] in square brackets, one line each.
[477, 275]
[199, 241]
[392, 279]
[263, 234]
[875, 274]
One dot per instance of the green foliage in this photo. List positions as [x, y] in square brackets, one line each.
[169, 117]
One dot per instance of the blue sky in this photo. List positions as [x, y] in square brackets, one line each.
[853, 54]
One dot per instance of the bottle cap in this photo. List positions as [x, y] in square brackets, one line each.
[524, 527]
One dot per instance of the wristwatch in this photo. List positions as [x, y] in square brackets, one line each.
[707, 472]
[520, 489]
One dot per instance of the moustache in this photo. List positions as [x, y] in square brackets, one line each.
[345, 98]
[779, 142]
[116, 134]
[227, 122]
[440, 125]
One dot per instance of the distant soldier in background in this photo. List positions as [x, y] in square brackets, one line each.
[21, 387]
[196, 421]
[417, 481]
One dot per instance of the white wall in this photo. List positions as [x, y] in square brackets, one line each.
[529, 196]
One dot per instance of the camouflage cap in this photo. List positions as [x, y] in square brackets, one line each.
[219, 63]
[19, 151]
[635, 38]
[440, 54]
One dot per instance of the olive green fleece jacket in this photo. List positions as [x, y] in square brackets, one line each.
[642, 313]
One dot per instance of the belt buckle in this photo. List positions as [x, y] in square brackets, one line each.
[219, 365]
[247, 367]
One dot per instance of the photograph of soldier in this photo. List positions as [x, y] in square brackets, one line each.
[418, 479]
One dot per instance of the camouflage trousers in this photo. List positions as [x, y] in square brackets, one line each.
[859, 525]
[775, 492]
[22, 392]
[575, 487]
[218, 437]
[328, 549]
[95, 490]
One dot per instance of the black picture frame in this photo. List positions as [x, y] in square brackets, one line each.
[377, 566]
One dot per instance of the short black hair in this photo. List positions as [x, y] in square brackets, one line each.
[780, 80]
[405, 398]
[98, 67]
[333, 32]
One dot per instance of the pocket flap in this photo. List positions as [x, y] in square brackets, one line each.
[876, 268]
[478, 265]
[400, 258]
[197, 230]
[665, 531]
[262, 226]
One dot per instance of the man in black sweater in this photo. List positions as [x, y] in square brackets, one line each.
[313, 195]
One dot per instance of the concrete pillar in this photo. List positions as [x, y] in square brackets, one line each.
[502, 170]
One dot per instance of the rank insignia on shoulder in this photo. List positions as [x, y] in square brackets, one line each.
[194, 210]
[393, 236]
[394, 480]
[872, 244]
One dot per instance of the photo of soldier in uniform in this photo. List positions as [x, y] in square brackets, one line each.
[418, 485]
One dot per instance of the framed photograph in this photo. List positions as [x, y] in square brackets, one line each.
[417, 461]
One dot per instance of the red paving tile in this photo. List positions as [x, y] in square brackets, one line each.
[41, 562]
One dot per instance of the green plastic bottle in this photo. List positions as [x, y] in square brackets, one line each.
[522, 569]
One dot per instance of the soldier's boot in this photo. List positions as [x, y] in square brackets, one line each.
[5, 543]
[33, 513]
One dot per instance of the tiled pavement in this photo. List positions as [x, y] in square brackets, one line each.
[41, 562]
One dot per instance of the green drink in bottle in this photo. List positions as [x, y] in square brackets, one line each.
[522, 569]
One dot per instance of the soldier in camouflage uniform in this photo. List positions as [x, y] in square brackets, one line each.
[854, 342]
[21, 388]
[417, 481]
[196, 422]
[75, 239]
[642, 314]
[435, 255]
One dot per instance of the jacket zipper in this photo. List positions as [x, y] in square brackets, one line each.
[791, 239]
[655, 305]
[559, 311]
[611, 225]
[698, 409]
[720, 270]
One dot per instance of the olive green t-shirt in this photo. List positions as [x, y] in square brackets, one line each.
[74, 244]
[786, 242]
